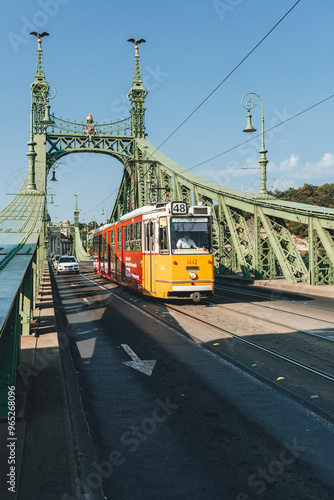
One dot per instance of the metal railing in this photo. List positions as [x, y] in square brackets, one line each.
[119, 127]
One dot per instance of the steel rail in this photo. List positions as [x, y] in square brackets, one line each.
[275, 354]
[306, 332]
[258, 294]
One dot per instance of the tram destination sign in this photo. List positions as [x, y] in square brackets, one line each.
[179, 208]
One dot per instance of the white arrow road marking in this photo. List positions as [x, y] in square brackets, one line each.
[137, 363]
[87, 301]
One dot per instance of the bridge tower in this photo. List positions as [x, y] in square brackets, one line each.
[137, 96]
[39, 120]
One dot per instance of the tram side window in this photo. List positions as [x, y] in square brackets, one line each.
[95, 244]
[133, 236]
[106, 245]
[112, 240]
[119, 239]
[128, 238]
[138, 236]
[163, 235]
[109, 242]
[100, 245]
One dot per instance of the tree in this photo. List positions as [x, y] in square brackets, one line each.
[312, 195]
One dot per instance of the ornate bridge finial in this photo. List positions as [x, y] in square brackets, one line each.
[136, 42]
[39, 35]
[39, 67]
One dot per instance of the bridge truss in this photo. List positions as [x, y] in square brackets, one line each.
[250, 233]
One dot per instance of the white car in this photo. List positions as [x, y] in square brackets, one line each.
[67, 264]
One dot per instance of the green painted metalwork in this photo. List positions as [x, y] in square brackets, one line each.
[118, 128]
[137, 96]
[237, 229]
[61, 144]
[321, 254]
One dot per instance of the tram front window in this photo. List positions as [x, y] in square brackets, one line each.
[190, 234]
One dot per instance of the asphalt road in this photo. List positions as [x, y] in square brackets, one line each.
[186, 424]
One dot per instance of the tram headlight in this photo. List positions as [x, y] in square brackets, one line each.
[192, 276]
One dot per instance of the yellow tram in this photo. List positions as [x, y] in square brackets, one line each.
[163, 250]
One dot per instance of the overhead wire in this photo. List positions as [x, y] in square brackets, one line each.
[99, 204]
[258, 135]
[221, 83]
[213, 91]
[226, 77]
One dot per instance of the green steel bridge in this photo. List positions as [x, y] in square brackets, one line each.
[250, 232]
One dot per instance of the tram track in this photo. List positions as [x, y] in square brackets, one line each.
[255, 345]
[321, 382]
[306, 332]
[236, 288]
[261, 360]
[275, 310]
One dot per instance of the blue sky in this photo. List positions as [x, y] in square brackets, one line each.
[191, 47]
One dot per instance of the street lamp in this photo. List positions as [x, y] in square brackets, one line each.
[105, 211]
[51, 192]
[249, 101]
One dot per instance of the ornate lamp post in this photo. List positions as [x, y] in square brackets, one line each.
[249, 101]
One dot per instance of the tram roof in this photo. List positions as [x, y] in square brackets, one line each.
[144, 210]
[147, 209]
[139, 211]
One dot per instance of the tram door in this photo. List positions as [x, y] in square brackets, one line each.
[149, 256]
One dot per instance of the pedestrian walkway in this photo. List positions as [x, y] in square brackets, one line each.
[44, 457]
